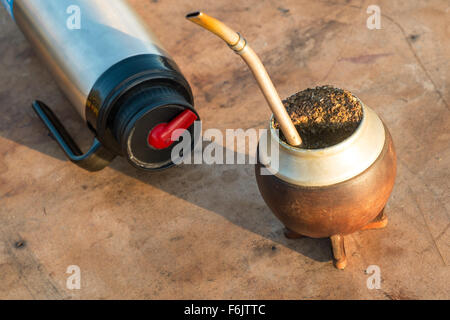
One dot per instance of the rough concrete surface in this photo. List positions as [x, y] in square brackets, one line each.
[201, 231]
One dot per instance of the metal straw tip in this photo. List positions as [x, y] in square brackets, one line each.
[193, 14]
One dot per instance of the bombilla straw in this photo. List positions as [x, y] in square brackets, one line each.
[238, 44]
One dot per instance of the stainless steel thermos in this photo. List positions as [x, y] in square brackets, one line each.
[115, 73]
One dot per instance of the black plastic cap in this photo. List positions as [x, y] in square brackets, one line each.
[137, 112]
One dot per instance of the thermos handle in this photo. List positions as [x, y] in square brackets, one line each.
[97, 158]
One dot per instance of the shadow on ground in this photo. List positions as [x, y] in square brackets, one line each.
[227, 190]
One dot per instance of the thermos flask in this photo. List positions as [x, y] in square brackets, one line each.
[115, 73]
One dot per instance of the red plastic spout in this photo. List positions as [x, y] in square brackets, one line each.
[161, 136]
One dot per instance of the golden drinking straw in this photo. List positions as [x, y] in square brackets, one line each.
[237, 43]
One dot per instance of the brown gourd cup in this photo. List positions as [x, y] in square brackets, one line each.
[333, 191]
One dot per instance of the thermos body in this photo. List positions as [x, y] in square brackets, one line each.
[114, 71]
[109, 32]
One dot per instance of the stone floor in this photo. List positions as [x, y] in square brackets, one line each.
[200, 231]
